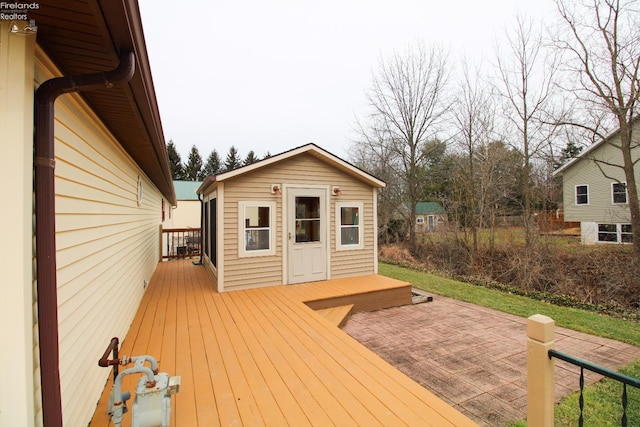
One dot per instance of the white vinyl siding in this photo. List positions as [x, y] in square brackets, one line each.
[107, 246]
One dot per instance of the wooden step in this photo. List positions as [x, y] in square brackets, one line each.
[337, 315]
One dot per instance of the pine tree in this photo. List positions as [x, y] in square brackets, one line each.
[233, 160]
[175, 163]
[213, 165]
[193, 170]
[251, 158]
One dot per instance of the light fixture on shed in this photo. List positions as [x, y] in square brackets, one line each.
[335, 190]
[275, 189]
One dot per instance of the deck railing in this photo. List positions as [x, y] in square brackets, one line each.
[541, 379]
[583, 364]
[180, 243]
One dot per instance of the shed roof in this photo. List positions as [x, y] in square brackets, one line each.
[87, 36]
[429, 208]
[186, 190]
[312, 149]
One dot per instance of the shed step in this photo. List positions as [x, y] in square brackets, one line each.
[337, 315]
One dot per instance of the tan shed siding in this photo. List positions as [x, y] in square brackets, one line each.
[300, 170]
[586, 172]
[107, 246]
[348, 263]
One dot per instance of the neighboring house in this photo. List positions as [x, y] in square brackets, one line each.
[300, 216]
[595, 194]
[101, 180]
[188, 212]
[430, 216]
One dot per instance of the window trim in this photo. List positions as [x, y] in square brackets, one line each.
[626, 194]
[575, 194]
[242, 205]
[338, 226]
[420, 220]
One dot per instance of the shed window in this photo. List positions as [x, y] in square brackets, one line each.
[619, 192]
[582, 194]
[349, 227]
[256, 226]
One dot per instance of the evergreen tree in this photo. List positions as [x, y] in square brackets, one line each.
[251, 158]
[193, 169]
[570, 151]
[177, 169]
[213, 165]
[233, 160]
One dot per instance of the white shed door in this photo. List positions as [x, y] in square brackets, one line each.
[307, 234]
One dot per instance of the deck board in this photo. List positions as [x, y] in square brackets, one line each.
[264, 357]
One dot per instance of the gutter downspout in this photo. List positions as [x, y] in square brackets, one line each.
[44, 164]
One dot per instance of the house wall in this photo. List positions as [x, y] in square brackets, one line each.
[107, 245]
[600, 208]
[16, 222]
[303, 170]
[187, 214]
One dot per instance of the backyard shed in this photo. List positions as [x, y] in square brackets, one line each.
[300, 216]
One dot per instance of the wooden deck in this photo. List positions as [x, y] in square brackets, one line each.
[264, 357]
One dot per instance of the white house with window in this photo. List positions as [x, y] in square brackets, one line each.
[300, 216]
[595, 192]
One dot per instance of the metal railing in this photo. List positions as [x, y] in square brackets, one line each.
[180, 243]
[583, 364]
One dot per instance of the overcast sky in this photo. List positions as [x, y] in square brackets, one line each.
[271, 76]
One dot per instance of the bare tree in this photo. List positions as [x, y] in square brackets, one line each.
[407, 105]
[602, 43]
[373, 154]
[473, 117]
[526, 83]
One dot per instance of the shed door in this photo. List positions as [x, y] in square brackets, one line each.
[307, 234]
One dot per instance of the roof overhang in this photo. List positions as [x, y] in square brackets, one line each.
[310, 149]
[591, 148]
[87, 36]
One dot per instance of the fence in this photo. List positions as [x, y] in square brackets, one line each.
[180, 243]
[540, 374]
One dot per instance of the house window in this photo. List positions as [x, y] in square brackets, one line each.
[256, 226]
[420, 220]
[349, 227]
[626, 235]
[615, 233]
[619, 192]
[582, 194]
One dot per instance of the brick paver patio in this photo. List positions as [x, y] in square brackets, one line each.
[474, 357]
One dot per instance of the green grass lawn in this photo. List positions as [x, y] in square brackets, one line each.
[602, 407]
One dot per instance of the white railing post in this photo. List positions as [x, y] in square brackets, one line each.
[540, 374]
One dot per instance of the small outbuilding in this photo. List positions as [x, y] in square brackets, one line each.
[300, 216]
